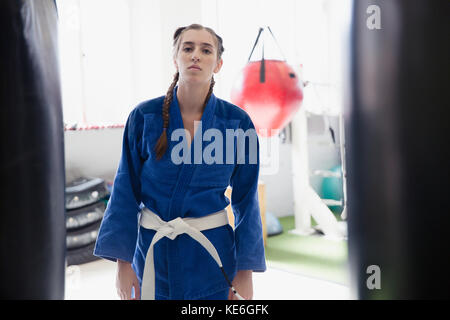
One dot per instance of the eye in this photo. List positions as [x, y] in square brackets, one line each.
[187, 49]
[206, 51]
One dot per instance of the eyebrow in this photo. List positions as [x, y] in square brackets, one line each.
[192, 43]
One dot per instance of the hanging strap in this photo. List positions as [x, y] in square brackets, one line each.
[256, 42]
[279, 48]
[262, 70]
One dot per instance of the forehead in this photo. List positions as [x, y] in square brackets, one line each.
[198, 37]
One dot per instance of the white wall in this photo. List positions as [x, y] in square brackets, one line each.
[92, 153]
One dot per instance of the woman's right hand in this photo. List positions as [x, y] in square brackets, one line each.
[125, 280]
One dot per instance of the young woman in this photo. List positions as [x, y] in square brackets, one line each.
[165, 223]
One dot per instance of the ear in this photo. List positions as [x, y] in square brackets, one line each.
[175, 64]
[219, 66]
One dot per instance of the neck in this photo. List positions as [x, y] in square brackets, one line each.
[191, 97]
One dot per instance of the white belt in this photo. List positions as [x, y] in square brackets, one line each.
[171, 229]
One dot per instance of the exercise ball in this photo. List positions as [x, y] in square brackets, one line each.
[273, 225]
[332, 188]
[270, 92]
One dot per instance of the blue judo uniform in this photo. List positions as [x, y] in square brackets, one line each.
[183, 268]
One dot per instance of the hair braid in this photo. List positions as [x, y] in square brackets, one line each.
[161, 144]
[211, 87]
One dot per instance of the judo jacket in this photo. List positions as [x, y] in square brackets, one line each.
[192, 188]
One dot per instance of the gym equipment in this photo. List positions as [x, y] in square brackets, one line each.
[85, 191]
[79, 218]
[331, 189]
[273, 225]
[269, 91]
[397, 122]
[32, 231]
[86, 200]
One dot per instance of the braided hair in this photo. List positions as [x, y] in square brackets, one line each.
[162, 143]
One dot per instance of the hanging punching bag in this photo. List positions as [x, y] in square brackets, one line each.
[269, 91]
[397, 125]
[32, 221]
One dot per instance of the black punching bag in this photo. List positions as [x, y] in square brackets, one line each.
[397, 127]
[32, 222]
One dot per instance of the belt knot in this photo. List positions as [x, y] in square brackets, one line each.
[174, 228]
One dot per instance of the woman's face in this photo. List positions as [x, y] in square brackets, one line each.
[196, 59]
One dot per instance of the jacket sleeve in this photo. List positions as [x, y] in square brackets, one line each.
[118, 231]
[245, 204]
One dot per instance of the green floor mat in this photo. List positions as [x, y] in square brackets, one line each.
[313, 256]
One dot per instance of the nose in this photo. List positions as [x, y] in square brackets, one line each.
[195, 56]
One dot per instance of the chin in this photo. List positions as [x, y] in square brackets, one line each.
[195, 80]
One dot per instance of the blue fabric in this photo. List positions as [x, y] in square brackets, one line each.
[183, 268]
[221, 295]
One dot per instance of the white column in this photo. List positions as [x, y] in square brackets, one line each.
[300, 173]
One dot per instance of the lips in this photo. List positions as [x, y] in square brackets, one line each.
[195, 67]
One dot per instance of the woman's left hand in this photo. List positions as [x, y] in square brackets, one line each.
[243, 283]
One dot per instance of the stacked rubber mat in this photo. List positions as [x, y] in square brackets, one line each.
[86, 200]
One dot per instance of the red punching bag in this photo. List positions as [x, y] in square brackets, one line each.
[269, 91]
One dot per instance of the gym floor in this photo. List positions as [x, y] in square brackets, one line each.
[96, 281]
[298, 268]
